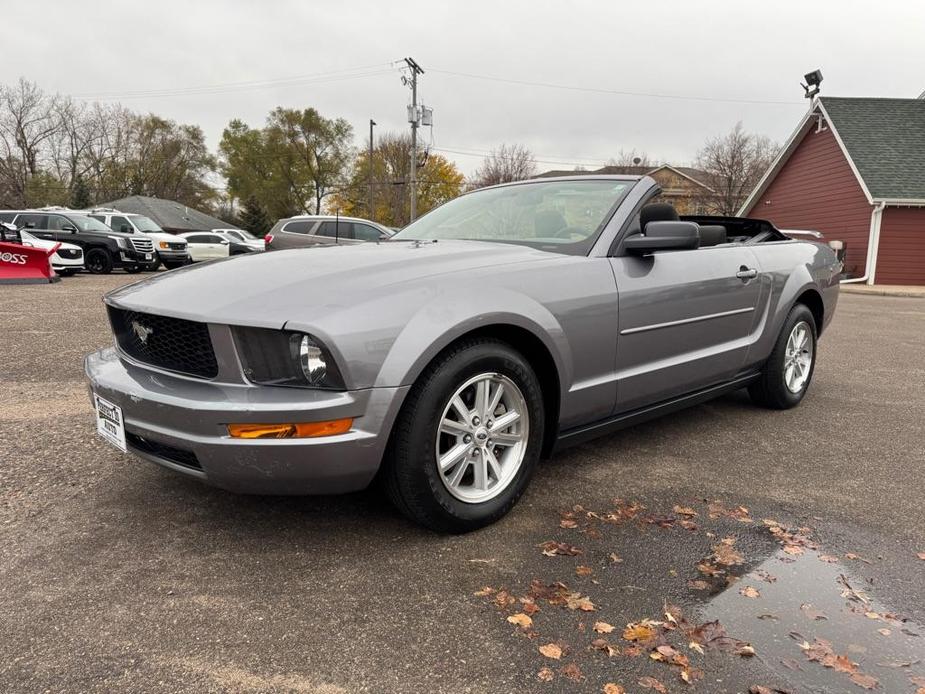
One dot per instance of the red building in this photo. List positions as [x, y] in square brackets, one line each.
[854, 169]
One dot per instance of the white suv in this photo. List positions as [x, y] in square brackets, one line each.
[171, 250]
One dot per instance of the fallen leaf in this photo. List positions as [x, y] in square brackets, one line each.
[724, 552]
[884, 632]
[576, 601]
[615, 558]
[603, 627]
[545, 675]
[811, 612]
[758, 689]
[684, 511]
[694, 646]
[691, 675]
[652, 683]
[698, 584]
[568, 523]
[572, 672]
[551, 548]
[504, 599]
[582, 570]
[793, 549]
[551, 650]
[920, 555]
[638, 632]
[864, 681]
[663, 653]
[768, 615]
[745, 650]
[828, 558]
[487, 590]
[611, 688]
[529, 606]
[606, 646]
[917, 681]
[765, 576]
[749, 592]
[521, 620]
[709, 569]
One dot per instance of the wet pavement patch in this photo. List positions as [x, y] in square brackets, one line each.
[819, 628]
[703, 597]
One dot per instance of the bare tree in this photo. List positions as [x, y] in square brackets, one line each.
[735, 163]
[631, 158]
[27, 121]
[505, 164]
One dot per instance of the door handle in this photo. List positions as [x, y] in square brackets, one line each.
[746, 273]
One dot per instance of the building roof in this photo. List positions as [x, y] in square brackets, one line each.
[698, 176]
[882, 139]
[885, 139]
[170, 215]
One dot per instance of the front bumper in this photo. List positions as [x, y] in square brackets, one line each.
[191, 415]
[173, 256]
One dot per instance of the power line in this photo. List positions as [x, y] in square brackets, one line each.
[220, 88]
[616, 92]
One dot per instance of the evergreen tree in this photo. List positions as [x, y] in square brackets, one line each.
[80, 195]
[254, 218]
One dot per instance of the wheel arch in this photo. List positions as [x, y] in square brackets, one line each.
[534, 343]
[812, 299]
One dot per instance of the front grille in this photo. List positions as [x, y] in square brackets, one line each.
[177, 246]
[68, 253]
[162, 450]
[169, 343]
[143, 245]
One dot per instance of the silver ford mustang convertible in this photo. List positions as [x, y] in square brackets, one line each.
[448, 360]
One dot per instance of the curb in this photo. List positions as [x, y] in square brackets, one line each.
[884, 291]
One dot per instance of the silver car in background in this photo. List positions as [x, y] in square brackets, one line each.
[320, 230]
[497, 328]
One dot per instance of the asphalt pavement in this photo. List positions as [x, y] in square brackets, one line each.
[797, 532]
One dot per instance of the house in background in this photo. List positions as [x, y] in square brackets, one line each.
[171, 216]
[854, 169]
[684, 187]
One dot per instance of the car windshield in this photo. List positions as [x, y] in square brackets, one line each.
[146, 223]
[87, 223]
[560, 216]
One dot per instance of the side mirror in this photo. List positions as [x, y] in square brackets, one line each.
[664, 236]
[226, 242]
[30, 225]
[68, 227]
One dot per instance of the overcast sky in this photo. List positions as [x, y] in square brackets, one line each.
[338, 57]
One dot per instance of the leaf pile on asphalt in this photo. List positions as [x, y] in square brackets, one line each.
[675, 646]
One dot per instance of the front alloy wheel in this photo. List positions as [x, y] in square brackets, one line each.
[467, 439]
[787, 373]
[482, 437]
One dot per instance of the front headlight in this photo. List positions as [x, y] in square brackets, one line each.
[284, 358]
[119, 241]
[163, 244]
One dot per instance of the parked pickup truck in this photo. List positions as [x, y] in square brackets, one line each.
[492, 331]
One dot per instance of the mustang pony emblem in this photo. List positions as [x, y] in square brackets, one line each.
[142, 332]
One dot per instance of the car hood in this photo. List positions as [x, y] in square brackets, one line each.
[269, 289]
[163, 236]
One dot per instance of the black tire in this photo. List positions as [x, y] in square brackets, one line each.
[98, 261]
[174, 265]
[410, 476]
[153, 266]
[771, 389]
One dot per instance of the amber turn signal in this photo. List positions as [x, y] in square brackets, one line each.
[301, 430]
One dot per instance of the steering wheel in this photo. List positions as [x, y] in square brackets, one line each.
[570, 232]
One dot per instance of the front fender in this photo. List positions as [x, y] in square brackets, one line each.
[446, 318]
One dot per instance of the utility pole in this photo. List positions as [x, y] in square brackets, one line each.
[415, 119]
[369, 166]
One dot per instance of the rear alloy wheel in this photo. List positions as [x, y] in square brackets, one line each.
[787, 373]
[98, 262]
[467, 439]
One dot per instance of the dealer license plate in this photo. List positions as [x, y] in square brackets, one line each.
[149, 256]
[109, 422]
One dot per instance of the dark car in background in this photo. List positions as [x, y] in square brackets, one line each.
[320, 230]
[104, 249]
